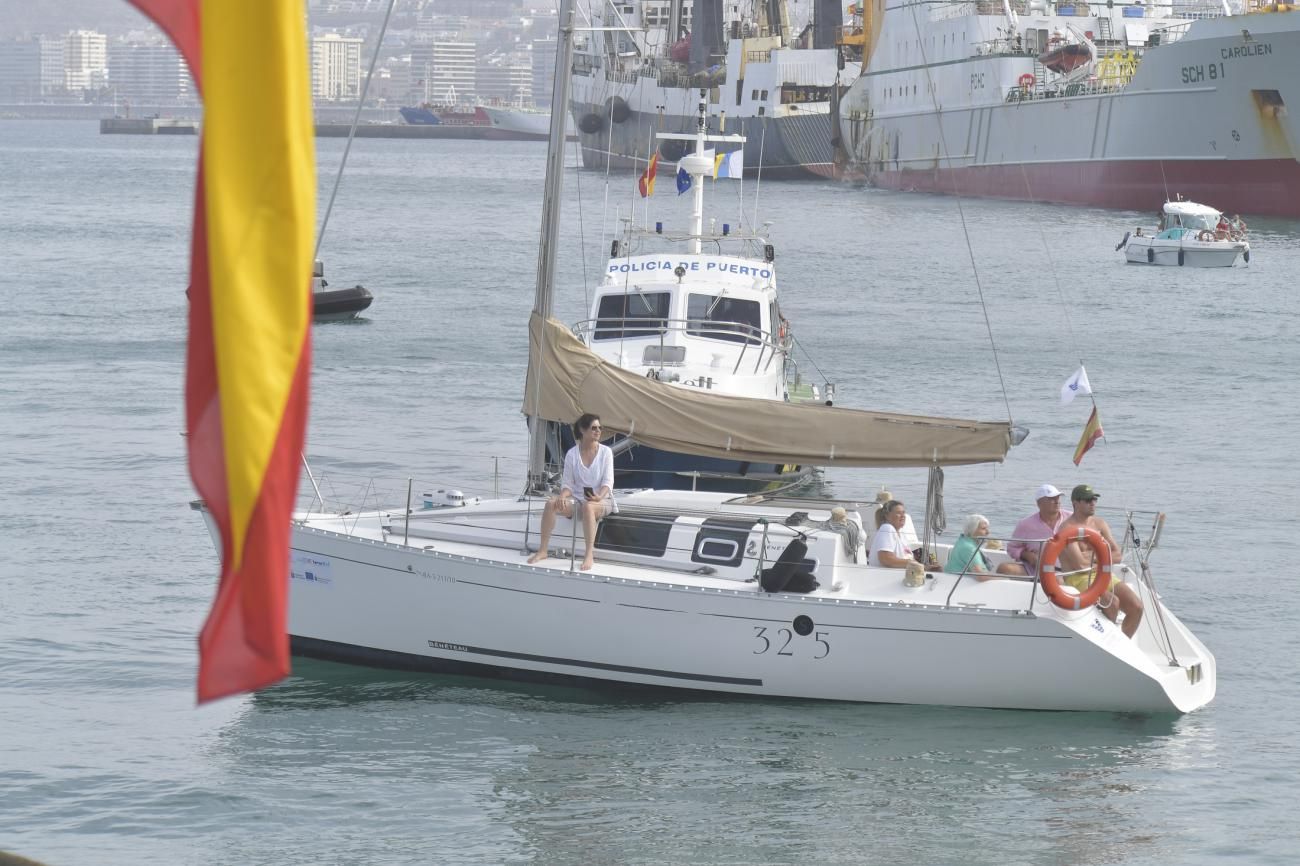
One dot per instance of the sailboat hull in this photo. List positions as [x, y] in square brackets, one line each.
[389, 597]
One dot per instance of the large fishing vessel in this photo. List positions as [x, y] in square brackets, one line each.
[1112, 105]
[770, 79]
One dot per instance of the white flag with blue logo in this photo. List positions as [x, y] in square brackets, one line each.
[1075, 385]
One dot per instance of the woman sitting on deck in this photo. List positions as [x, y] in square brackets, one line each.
[589, 468]
[966, 555]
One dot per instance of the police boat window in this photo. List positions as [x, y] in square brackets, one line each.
[631, 315]
[723, 318]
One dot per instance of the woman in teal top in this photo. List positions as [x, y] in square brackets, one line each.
[967, 556]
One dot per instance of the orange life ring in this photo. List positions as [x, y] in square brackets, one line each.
[1026, 81]
[1205, 235]
[1100, 579]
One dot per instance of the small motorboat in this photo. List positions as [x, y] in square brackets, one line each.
[1189, 234]
[335, 305]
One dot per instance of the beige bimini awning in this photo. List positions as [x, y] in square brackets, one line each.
[567, 379]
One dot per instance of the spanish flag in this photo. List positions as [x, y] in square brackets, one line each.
[1091, 433]
[249, 353]
[646, 184]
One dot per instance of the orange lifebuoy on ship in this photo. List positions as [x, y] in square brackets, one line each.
[1027, 81]
[1100, 578]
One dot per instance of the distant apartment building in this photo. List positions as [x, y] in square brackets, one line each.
[444, 73]
[543, 58]
[85, 59]
[54, 64]
[20, 70]
[506, 79]
[147, 74]
[335, 67]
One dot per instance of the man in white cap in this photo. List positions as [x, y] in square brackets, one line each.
[1039, 526]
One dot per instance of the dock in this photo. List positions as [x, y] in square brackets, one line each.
[147, 126]
[452, 131]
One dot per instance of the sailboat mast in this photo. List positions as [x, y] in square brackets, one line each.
[544, 298]
[697, 215]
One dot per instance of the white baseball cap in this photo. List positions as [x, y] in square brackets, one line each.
[1047, 491]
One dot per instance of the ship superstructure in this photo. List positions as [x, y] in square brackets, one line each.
[992, 99]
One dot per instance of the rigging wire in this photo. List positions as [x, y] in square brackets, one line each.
[356, 118]
[970, 250]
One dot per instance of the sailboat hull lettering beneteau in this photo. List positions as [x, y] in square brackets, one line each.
[706, 592]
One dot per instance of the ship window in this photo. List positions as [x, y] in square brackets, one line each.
[642, 314]
[721, 318]
[646, 536]
[721, 543]
[764, 96]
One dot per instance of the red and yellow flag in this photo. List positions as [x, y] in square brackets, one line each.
[646, 184]
[249, 354]
[1091, 433]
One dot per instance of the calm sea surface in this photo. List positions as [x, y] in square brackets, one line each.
[106, 574]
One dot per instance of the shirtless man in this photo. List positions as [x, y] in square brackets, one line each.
[1078, 557]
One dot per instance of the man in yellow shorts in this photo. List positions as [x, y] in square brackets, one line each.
[1078, 557]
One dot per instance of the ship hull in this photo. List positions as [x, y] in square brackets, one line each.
[1232, 139]
[790, 147]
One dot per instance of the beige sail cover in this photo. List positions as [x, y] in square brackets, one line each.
[566, 379]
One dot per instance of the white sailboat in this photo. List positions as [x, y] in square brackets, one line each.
[686, 590]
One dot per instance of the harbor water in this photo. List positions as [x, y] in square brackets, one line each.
[106, 573]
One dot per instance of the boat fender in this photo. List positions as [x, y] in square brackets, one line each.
[617, 109]
[1245, 256]
[590, 123]
[1151, 255]
[1100, 578]
[1180, 258]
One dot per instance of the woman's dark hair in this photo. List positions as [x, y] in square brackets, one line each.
[580, 426]
[883, 511]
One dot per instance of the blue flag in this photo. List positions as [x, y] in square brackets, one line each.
[683, 180]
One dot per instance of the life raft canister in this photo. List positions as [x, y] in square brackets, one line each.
[1100, 578]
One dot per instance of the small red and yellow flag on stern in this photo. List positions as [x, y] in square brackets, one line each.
[646, 183]
[249, 353]
[1091, 433]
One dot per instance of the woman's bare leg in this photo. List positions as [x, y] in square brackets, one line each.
[589, 517]
[548, 526]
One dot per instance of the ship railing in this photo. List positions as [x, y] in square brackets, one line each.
[761, 345]
[674, 75]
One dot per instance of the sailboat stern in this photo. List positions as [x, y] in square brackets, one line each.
[1163, 668]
